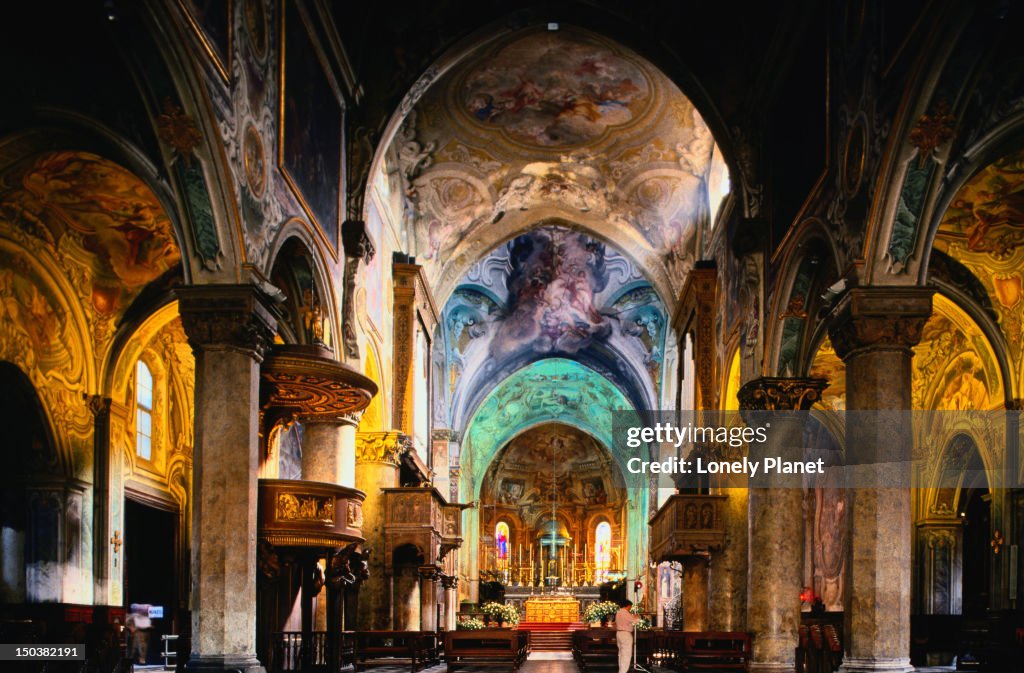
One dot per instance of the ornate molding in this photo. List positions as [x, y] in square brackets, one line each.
[235, 317]
[382, 447]
[295, 513]
[358, 248]
[305, 383]
[178, 130]
[879, 318]
[780, 394]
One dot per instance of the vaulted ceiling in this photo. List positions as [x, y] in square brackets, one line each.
[555, 125]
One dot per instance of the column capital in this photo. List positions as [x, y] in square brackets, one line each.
[235, 317]
[356, 241]
[770, 393]
[430, 573]
[98, 405]
[888, 318]
[382, 447]
[445, 434]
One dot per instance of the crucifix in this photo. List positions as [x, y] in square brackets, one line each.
[117, 542]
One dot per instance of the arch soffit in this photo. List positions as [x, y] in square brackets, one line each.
[483, 438]
[791, 260]
[298, 230]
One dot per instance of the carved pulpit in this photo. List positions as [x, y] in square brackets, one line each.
[687, 525]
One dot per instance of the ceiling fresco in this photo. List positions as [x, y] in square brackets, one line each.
[983, 229]
[98, 214]
[553, 292]
[549, 91]
[546, 125]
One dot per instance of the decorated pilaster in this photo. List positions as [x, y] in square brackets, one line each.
[102, 531]
[378, 455]
[358, 248]
[230, 329]
[776, 520]
[873, 330]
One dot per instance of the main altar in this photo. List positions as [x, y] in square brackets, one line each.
[552, 609]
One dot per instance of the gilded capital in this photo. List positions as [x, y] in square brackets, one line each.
[879, 318]
[227, 316]
[780, 394]
[382, 447]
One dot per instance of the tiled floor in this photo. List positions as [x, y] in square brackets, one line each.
[538, 662]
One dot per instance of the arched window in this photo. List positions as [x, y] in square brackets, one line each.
[602, 550]
[143, 411]
[501, 542]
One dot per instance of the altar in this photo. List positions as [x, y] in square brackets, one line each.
[552, 609]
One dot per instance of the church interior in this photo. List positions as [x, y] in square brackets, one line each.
[316, 392]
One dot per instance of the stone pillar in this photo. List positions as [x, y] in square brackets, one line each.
[695, 593]
[873, 331]
[428, 598]
[329, 450]
[377, 456]
[776, 549]
[229, 328]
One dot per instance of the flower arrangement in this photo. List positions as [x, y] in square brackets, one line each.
[469, 624]
[600, 611]
[644, 623]
[501, 612]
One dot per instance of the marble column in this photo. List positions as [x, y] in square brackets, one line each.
[229, 328]
[329, 450]
[873, 331]
[695, 593]
[775, 515]
[377, 457]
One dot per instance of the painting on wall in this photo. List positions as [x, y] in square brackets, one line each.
[549, 90]
[211, 19]
[310, 153]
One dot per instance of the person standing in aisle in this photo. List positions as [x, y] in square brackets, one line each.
[624, 623]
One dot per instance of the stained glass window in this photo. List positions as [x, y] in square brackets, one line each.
[501, 541]
[602, 550]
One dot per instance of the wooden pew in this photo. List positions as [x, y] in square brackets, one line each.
[504, 648]
[595, 650]
[716, 651]
[389, 648]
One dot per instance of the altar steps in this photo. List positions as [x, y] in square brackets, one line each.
[551, 636]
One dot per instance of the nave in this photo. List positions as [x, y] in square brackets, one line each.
[324, 328]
